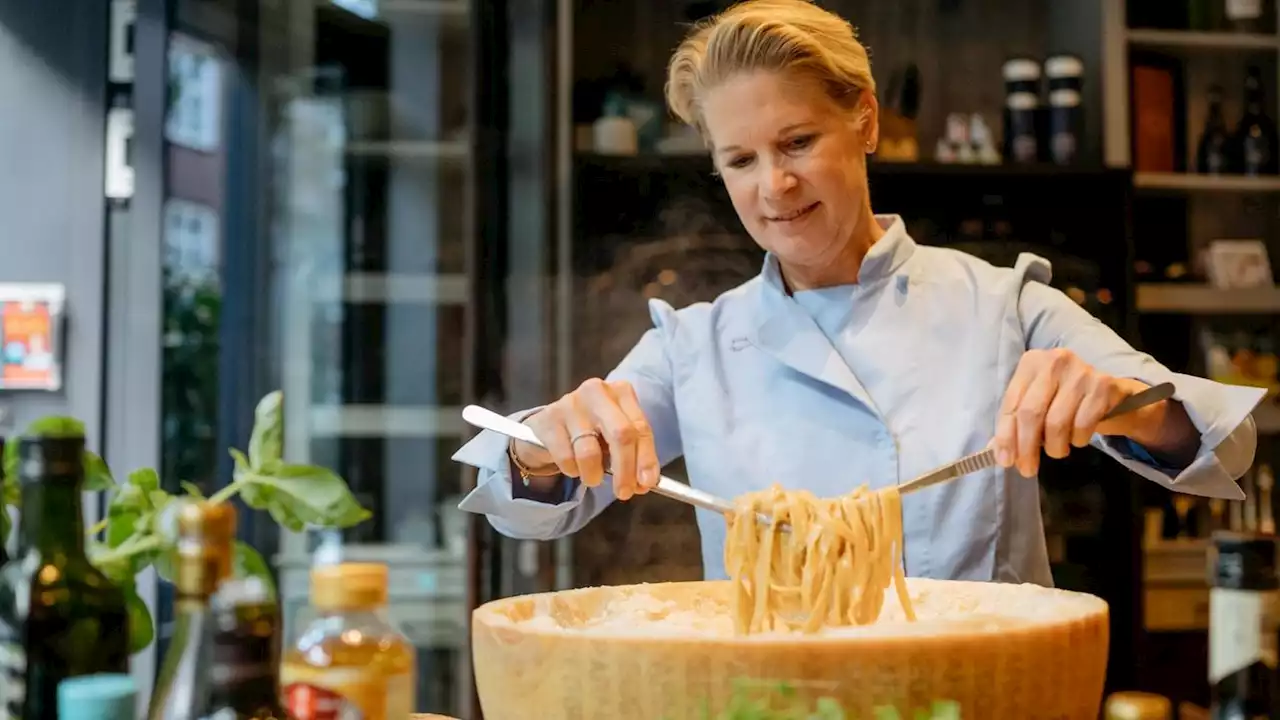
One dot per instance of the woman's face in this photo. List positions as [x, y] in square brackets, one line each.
[794, 163]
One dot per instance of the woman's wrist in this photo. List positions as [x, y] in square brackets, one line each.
[537, 473]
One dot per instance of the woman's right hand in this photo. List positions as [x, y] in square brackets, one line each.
[599, 423]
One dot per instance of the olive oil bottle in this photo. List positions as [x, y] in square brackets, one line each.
[59, 616]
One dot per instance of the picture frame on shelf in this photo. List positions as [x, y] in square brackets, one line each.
[1238, 264]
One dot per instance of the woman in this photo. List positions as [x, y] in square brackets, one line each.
[855, 356]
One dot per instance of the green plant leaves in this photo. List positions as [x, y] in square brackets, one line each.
[248, 562]
[138, 527]
[266, 444]
[298, 495]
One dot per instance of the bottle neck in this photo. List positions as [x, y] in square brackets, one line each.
[52, 517]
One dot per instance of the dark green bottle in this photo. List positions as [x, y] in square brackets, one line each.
[59, 616]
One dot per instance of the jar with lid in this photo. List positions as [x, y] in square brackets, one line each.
[349, 661]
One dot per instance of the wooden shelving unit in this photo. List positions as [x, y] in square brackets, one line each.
[1205, 300]
[1198, 183]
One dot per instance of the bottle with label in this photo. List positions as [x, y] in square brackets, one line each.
[245, 682]
[1255, 139]
[1243, 628]
[59, 616]
[349, 661]
[205, 534]
[1213, 152]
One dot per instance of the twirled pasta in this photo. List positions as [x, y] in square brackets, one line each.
[831, 569]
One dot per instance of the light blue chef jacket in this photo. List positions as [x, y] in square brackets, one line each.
[874, 383]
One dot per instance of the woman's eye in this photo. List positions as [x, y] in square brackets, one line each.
[740, 162]
[800, 143]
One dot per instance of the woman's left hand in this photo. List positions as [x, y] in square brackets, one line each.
[1056, 401]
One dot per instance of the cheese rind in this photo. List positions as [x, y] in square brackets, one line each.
[668, 651]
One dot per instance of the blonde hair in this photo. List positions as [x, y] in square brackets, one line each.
[773, 36]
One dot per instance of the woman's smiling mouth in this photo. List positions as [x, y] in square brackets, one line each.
[793, 215]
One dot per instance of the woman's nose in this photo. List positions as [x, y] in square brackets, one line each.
[778, 181]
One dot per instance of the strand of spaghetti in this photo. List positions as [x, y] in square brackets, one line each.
[833, 567]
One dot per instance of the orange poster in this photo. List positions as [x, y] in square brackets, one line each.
[27, 352]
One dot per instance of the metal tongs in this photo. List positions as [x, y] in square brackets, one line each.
[489, 420]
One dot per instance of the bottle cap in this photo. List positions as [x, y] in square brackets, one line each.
[206, 531]
[349, 586]
[97, 697]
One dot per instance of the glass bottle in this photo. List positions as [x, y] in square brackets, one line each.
[1212, 155]
[205, 534]
[246, 659]
[1256, 141]
[60, 617]
[349, 660]
[1243, 626]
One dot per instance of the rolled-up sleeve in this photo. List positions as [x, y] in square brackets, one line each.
[1221, 413]
[648, 368]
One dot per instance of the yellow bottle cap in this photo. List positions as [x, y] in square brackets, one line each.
[1138, 706]
[349, 586]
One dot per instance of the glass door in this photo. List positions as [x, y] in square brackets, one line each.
[370, 157]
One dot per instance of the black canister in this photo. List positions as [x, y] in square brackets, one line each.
[1021, 106]
[1065, 76]
[1243, 629]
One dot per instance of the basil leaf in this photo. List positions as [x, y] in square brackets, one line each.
[266, 444]
[97, 476]
[248, 562]
[299, 495]
[192, 489]
[142, 629]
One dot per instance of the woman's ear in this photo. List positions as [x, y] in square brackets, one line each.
[868, 120]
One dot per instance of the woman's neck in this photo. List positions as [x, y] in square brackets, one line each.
[840, 270]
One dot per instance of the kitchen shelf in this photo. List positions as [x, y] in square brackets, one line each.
[1192, 41]
[444, 8]
[386, 421]
[1205, 300]
[1193, 182]
[402, 288]
[411, 149]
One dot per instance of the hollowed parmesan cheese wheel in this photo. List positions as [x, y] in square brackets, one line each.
[668, 651]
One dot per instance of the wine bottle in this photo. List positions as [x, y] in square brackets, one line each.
[205, 534]
[1256, 141]
[59, 616]
[1243, 628]
[1214, 147]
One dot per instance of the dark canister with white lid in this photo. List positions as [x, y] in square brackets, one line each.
[1021, 108]
[1065, 76]
[1244, 631]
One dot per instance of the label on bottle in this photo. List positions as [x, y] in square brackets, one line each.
[1244, 9]
[13, 674]
[1242, 631]
[342, 694]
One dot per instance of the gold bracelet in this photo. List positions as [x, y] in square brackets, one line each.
[525, 473]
